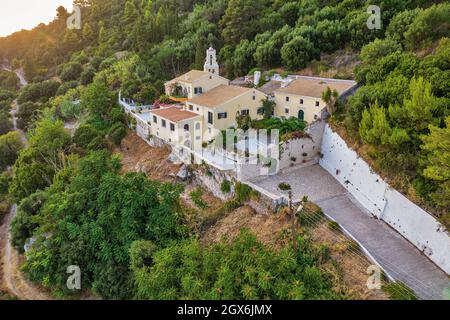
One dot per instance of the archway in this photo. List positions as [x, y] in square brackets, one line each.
[301, 115]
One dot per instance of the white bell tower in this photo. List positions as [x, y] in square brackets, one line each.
[211, 64]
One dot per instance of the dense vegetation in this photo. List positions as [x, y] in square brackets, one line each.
[127, 233]
[10, 141]
[401, 112]
[243, 269]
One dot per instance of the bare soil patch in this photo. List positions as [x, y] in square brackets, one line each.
[352, 264]
[267, 228]
[138, 156]
[13, 282]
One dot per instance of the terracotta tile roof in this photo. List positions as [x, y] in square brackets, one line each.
[314, 87]
[191, 76]
[219, 95]
[270, 87]
[174, 114]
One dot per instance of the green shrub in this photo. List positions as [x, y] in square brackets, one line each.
[225, 187]
[399, 291]
[243, 192]
[117, 133]
[284, 186]
[196, 197]
[70, 110]
[71, 71]
[84, 135]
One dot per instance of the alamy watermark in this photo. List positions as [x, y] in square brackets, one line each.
[74, 280]
[74, 20]
[374, 280]
[374, 21]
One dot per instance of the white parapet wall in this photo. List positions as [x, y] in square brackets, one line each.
[412, 222]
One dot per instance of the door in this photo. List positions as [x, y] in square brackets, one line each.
[301, 115]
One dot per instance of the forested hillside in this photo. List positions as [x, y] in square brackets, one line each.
[126, 232]
[134, 46]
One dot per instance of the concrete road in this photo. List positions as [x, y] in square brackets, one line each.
[398, 257]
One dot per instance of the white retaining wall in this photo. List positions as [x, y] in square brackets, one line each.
[384, 202]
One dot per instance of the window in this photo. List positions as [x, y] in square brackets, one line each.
[286, 110]
[222, 115]
[287, 99]
[210, 77]
[316, 117]
[245, 112]
[155, 120]
[198, 90]
[317, 103]
[301, 101]
[172, 127]
[186, 127]
[163, 123]
[254, 98]
[191, 107]
[197, 126]
[210, 118]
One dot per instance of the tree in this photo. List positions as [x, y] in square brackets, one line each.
[243, 57]
[200, 50]
[87, 76]
[41, 159]
[437, 147]
[429, 24]
[268, 107]
[71, 71]
[6, 124]
[297, 53]
[332, 34]
[377, 49]
[97, 98]
[240, 20]
[25, 223]
[400, 24]
[97, 218]
[241, 269]
[88, 34]
[27, 114]
[31, 92]
[84, 135]
[10, 146]
[117, 132]
[331, 99]
[48, 88]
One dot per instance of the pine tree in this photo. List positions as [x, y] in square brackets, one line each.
[437, 146]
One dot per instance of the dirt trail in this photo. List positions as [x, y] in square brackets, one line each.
[12, 278]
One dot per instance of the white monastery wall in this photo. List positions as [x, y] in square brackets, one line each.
[384, 202]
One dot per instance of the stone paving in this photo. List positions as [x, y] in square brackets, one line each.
[311, 181]
[399, 258]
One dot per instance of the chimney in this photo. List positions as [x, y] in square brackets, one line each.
[257, 77]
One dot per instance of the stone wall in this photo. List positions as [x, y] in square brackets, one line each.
[416, 225]
[212, 180]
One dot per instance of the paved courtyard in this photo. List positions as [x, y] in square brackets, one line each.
[396, 255]
[311, 181]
